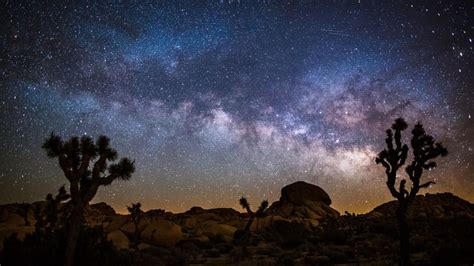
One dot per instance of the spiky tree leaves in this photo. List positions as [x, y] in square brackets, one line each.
[75, 157]
[53, 146]
[87, 166]
[245, 204]
[262, 208]
[425, 150]
[392, 158]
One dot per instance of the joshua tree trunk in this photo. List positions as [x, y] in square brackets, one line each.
[136, 236]
[74, 229]
[249, 223]
[404, 235]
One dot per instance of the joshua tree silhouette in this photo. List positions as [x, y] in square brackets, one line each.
[76, 159]
[47, 218]
[136, 214]
[425, 150]
[252, 215]
[243, 236]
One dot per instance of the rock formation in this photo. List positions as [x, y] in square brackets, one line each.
[303, 200]
[295, 225]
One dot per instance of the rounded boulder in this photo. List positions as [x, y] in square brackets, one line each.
[162, 233]
[299, 192]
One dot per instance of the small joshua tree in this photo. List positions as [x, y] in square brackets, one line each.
[242, 237]
[84, 164]
[425, 150]
[48, 217]
[252, 215]
[136, 214]
[52, 208]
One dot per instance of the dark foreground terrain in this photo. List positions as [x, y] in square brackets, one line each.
[299, 229]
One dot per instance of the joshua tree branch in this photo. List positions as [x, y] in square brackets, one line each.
[427, 184]
[84, 165]
[99, 165]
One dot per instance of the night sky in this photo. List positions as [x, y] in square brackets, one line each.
[218, 99]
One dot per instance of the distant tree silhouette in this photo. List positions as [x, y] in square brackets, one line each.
[76, 159]
[252, 215]
[243, 236]
[425, 150]
[136, 214]
[47, 218]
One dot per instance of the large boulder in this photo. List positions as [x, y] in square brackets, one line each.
[119, 239]
[114, 222]
[302, 201]
[129, 227]
[299, 192]
[215, 229]
[101, 208]
[98, 214]
[191, 222]
[262, 223]
[162, 233]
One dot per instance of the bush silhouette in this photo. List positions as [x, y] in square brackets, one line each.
[85, 165]
[425, 150]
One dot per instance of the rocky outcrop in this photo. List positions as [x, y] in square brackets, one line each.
[118, 239]
[441, 205]
[300, 192]
[114, 222]
[101, 208]
[162, 233]
[303, 200]
[213, 229]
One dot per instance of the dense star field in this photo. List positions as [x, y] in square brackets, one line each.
[215, 100]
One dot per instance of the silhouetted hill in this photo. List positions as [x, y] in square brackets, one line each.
[441, 205]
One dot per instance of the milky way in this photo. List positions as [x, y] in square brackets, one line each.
[215, 100]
